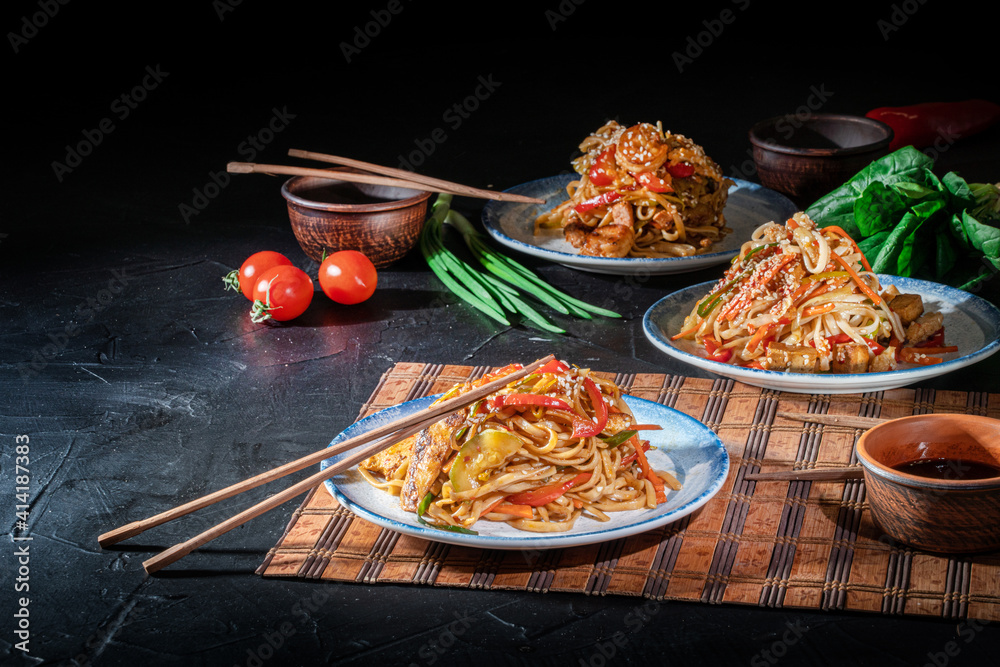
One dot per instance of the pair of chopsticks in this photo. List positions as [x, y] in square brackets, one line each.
[820, 474]
[379, 175]
[385, 436]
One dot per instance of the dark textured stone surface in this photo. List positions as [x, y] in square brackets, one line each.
[141, 383]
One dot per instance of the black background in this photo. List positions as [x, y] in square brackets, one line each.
[170, 392]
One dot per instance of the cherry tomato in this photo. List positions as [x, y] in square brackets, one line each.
[246, 276]
[348, 277]
[282, 293]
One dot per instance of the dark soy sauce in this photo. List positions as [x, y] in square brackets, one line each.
[946, 468]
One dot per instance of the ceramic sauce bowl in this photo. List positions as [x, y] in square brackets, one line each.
[805, 157]
[933, 481]
[383, 222]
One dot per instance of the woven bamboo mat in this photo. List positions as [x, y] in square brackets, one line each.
[776, 544]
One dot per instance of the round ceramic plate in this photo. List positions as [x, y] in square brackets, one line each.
[513, 224]
[970, 322]
[685, 447]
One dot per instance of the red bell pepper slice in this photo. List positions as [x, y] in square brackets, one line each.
[603, 170]
[838, 339]
[584, 428]
[500, 372]
[716, 352]
[680, 170]
[627, 460]
[504, 400]
[722, 356]
[546, 494]
[937, 340]
[651, 181]
[602, 199]
[555, 367]
[875, 348]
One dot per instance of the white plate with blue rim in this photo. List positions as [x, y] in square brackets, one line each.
[970, 322]
[512, 224]
[684, 447]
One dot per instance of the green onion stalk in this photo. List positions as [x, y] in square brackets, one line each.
[496, 291]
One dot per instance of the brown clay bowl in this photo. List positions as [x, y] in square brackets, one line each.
[383, 222]
[947, 515]
[806, 156]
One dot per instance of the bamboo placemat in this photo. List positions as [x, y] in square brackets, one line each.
[776, 544]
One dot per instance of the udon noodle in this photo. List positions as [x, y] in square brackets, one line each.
[800, 298]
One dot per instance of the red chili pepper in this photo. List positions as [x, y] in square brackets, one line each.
[680, 170]
[603, 170]
[546, 494]
[651, 181]
[504, 400]
[921, 125]
[602, 199]
[584, 428]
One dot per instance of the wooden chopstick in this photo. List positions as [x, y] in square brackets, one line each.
[813, 474]
[332, 174]
[834, 420]
[391, 433]
[820, 474]
[448, 186]
[374, 179]
[137, 527]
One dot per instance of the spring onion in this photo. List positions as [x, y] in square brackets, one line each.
[494, 292]
[520, 276]
[422, 508]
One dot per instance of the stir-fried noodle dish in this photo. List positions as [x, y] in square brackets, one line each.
[545, 450]
[803, 299]
[642, 192]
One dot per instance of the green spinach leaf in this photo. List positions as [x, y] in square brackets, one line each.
[878, 208]
[837, 207]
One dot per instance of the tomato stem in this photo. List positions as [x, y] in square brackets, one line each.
[232, 280]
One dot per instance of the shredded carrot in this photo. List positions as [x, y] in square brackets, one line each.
[740, 299]
[791, 224]
[802, 289]
[896, 344]
[876, 299]
[932, 350]
[686, 332]
[916, 355]
[818, 310]
[491, 507]
[578, 504]
[758, 336]
[648, 473]
[645, 427]
[523, 511]
[840, 232]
